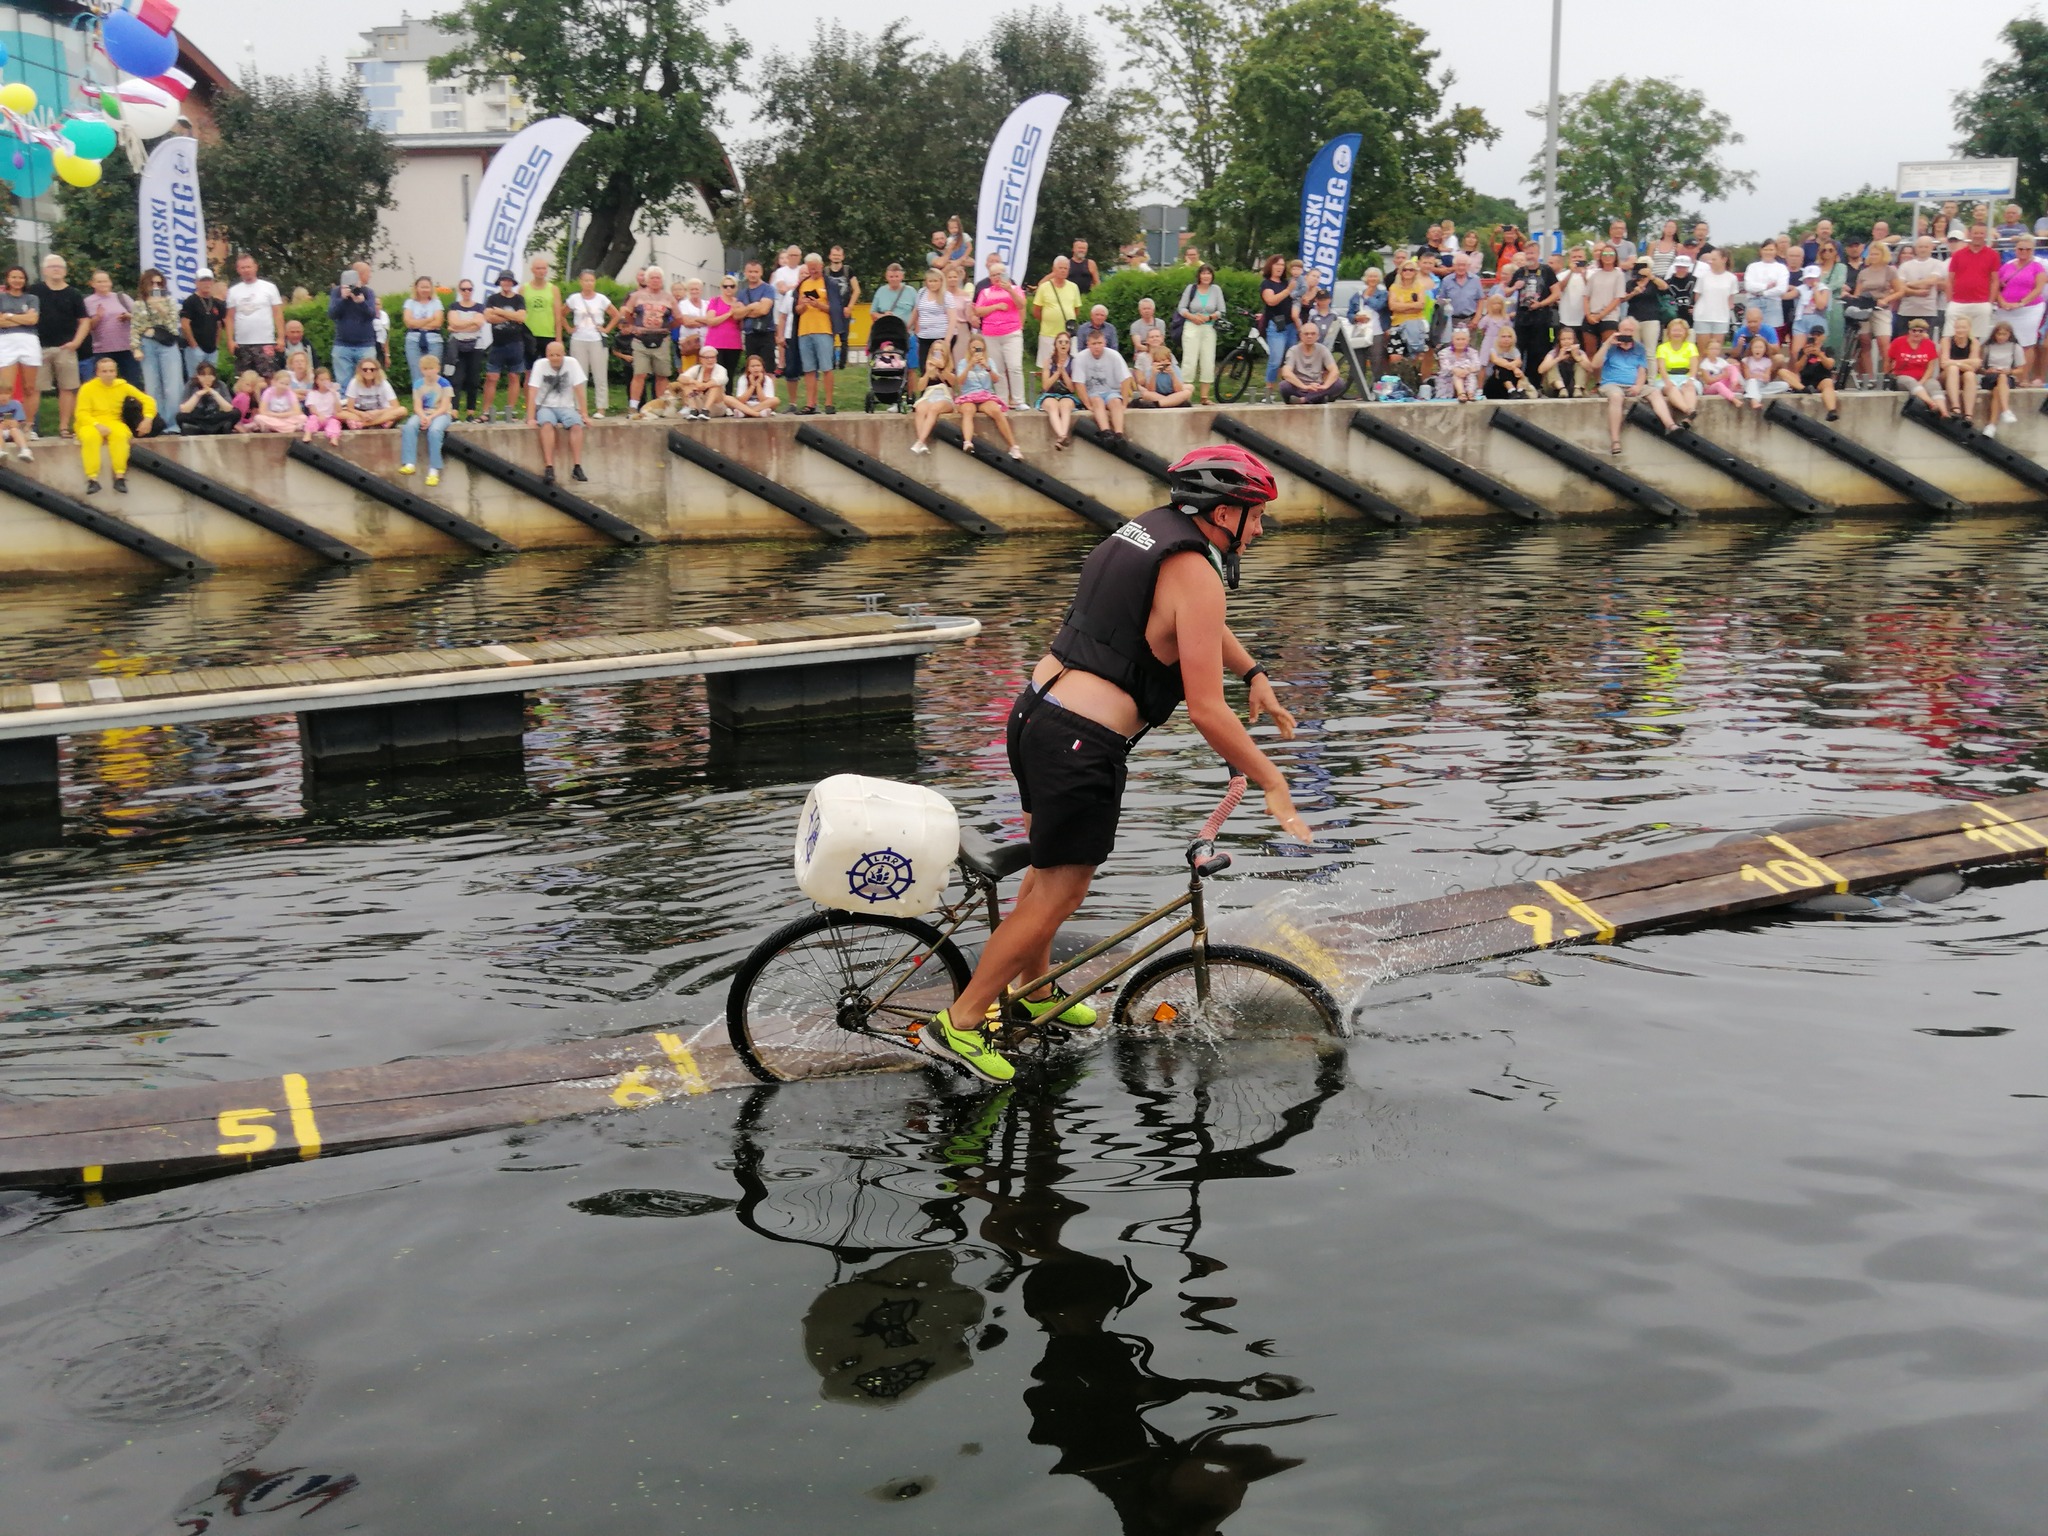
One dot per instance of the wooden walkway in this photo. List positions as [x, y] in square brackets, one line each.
[29, 710]
[175, 1132]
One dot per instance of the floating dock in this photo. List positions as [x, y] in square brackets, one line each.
[96, 1143]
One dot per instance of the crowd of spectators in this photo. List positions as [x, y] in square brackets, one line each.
[1952, 314]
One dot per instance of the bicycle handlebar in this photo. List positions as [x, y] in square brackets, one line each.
[1221, 814]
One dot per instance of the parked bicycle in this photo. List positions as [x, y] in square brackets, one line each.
[845, 991]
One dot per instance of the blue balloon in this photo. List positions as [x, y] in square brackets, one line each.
[30, 170]
[3, 55]
[136, 48]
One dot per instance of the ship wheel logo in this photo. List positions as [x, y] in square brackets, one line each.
[882, 875]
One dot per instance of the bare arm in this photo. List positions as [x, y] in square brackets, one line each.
[1189, 584]
[1261, 699]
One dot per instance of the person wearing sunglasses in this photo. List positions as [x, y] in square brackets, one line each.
[368, 400]
[592, 319]
[469, 338]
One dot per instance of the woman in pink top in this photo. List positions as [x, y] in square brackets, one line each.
[1000, 309]
[113, 333]
[724, 335]
[959, 311]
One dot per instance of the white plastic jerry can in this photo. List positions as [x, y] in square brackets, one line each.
[874, 845]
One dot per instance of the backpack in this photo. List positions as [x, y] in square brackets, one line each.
[1176, 323]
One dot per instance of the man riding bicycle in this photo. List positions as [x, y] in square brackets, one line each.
[1145, 631]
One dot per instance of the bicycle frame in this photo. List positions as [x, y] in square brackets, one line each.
[982, 890]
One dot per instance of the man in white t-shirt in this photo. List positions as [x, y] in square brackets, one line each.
[1926, 280]
[784, 281]
[1101, 374]
[703, 385]
[555, 399]
[255, 319]
[592, 318]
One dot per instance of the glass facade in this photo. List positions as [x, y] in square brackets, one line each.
[48, 54]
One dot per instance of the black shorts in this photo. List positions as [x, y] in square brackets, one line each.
[1070, 778]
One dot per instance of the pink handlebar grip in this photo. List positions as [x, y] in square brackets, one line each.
[1222, 812]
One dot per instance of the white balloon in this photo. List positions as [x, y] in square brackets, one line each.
[148, 108]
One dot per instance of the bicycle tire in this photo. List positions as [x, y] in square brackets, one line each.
[1234, 376]
[783, 1011]
[1250, 993]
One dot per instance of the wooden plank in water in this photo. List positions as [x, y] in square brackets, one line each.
[174, 1132]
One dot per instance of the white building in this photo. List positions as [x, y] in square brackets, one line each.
[446, 133]
[403, 101]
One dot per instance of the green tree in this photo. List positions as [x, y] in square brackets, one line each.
[1315, 69]
[297, 176]
[1470, 210]
[97, 225]
[839, 170]
[1854, 212]
[1188, 50]
[1635, 150]
[644, 75]
[2007, 115]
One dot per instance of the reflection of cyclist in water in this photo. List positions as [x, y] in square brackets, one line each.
[1094, 1384]
[890, 1329]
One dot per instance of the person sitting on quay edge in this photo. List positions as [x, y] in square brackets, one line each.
[1563, 368]
[754, 397]
[977, 398]
[703, 386]
[1624, 370]
[1913, 358]
[433, 408]
[555, 399]
[1811, 370]
[935, 393]
[1752, 325]
[1160, 386]
[207, 410]
[1308, 374]
[2005, 365]
[1100, 375]
[113, 411]
[368, 400]
[1060, 393]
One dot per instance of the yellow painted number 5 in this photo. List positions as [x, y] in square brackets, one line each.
[253, 1136]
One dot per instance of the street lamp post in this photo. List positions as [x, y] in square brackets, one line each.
[1550, 216]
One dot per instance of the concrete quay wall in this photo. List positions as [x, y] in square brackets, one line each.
[634, 475]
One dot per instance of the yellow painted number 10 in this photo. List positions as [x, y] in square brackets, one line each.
[1783, 876]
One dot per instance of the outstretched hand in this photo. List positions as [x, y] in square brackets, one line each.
[1263, 701]
[1280, 806]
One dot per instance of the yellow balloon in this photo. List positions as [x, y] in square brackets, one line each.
[77, 171]
[16, 97]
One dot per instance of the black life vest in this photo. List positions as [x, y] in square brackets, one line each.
[1104, 632]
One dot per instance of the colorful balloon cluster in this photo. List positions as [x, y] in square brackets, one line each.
[139, 40]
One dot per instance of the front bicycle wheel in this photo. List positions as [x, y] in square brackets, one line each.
[809, 1001]
[1251, 993]
[1234, 376]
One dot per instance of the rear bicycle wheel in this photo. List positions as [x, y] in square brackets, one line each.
[1234, 376]
[1251, 993]
[804, 1002]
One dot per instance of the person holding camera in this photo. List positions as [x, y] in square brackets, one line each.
[353, 309]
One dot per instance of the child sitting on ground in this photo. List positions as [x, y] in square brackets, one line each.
[323, 408]
[248, 390]
[1716, 374]
[14, 429]
[277, 408]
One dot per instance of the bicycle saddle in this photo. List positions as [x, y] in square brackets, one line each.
[996, 861]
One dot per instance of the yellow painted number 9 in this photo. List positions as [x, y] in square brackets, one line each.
[1537, 920]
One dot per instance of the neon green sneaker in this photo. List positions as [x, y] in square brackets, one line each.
[1071, 1010]
[967, 1048]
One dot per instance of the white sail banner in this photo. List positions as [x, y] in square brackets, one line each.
[516, 183]
[1009, 185]
[172, 226]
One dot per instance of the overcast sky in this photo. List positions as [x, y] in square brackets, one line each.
[1825, 100]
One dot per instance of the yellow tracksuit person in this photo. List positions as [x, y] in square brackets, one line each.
[98, 414]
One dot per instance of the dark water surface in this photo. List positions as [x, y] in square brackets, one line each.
[1737, 1230]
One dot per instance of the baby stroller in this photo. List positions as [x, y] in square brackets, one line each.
[888, 362]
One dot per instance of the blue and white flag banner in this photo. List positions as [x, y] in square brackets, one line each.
[516, 183]
[1326, 204]
[172, 225]
[1009, 185]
